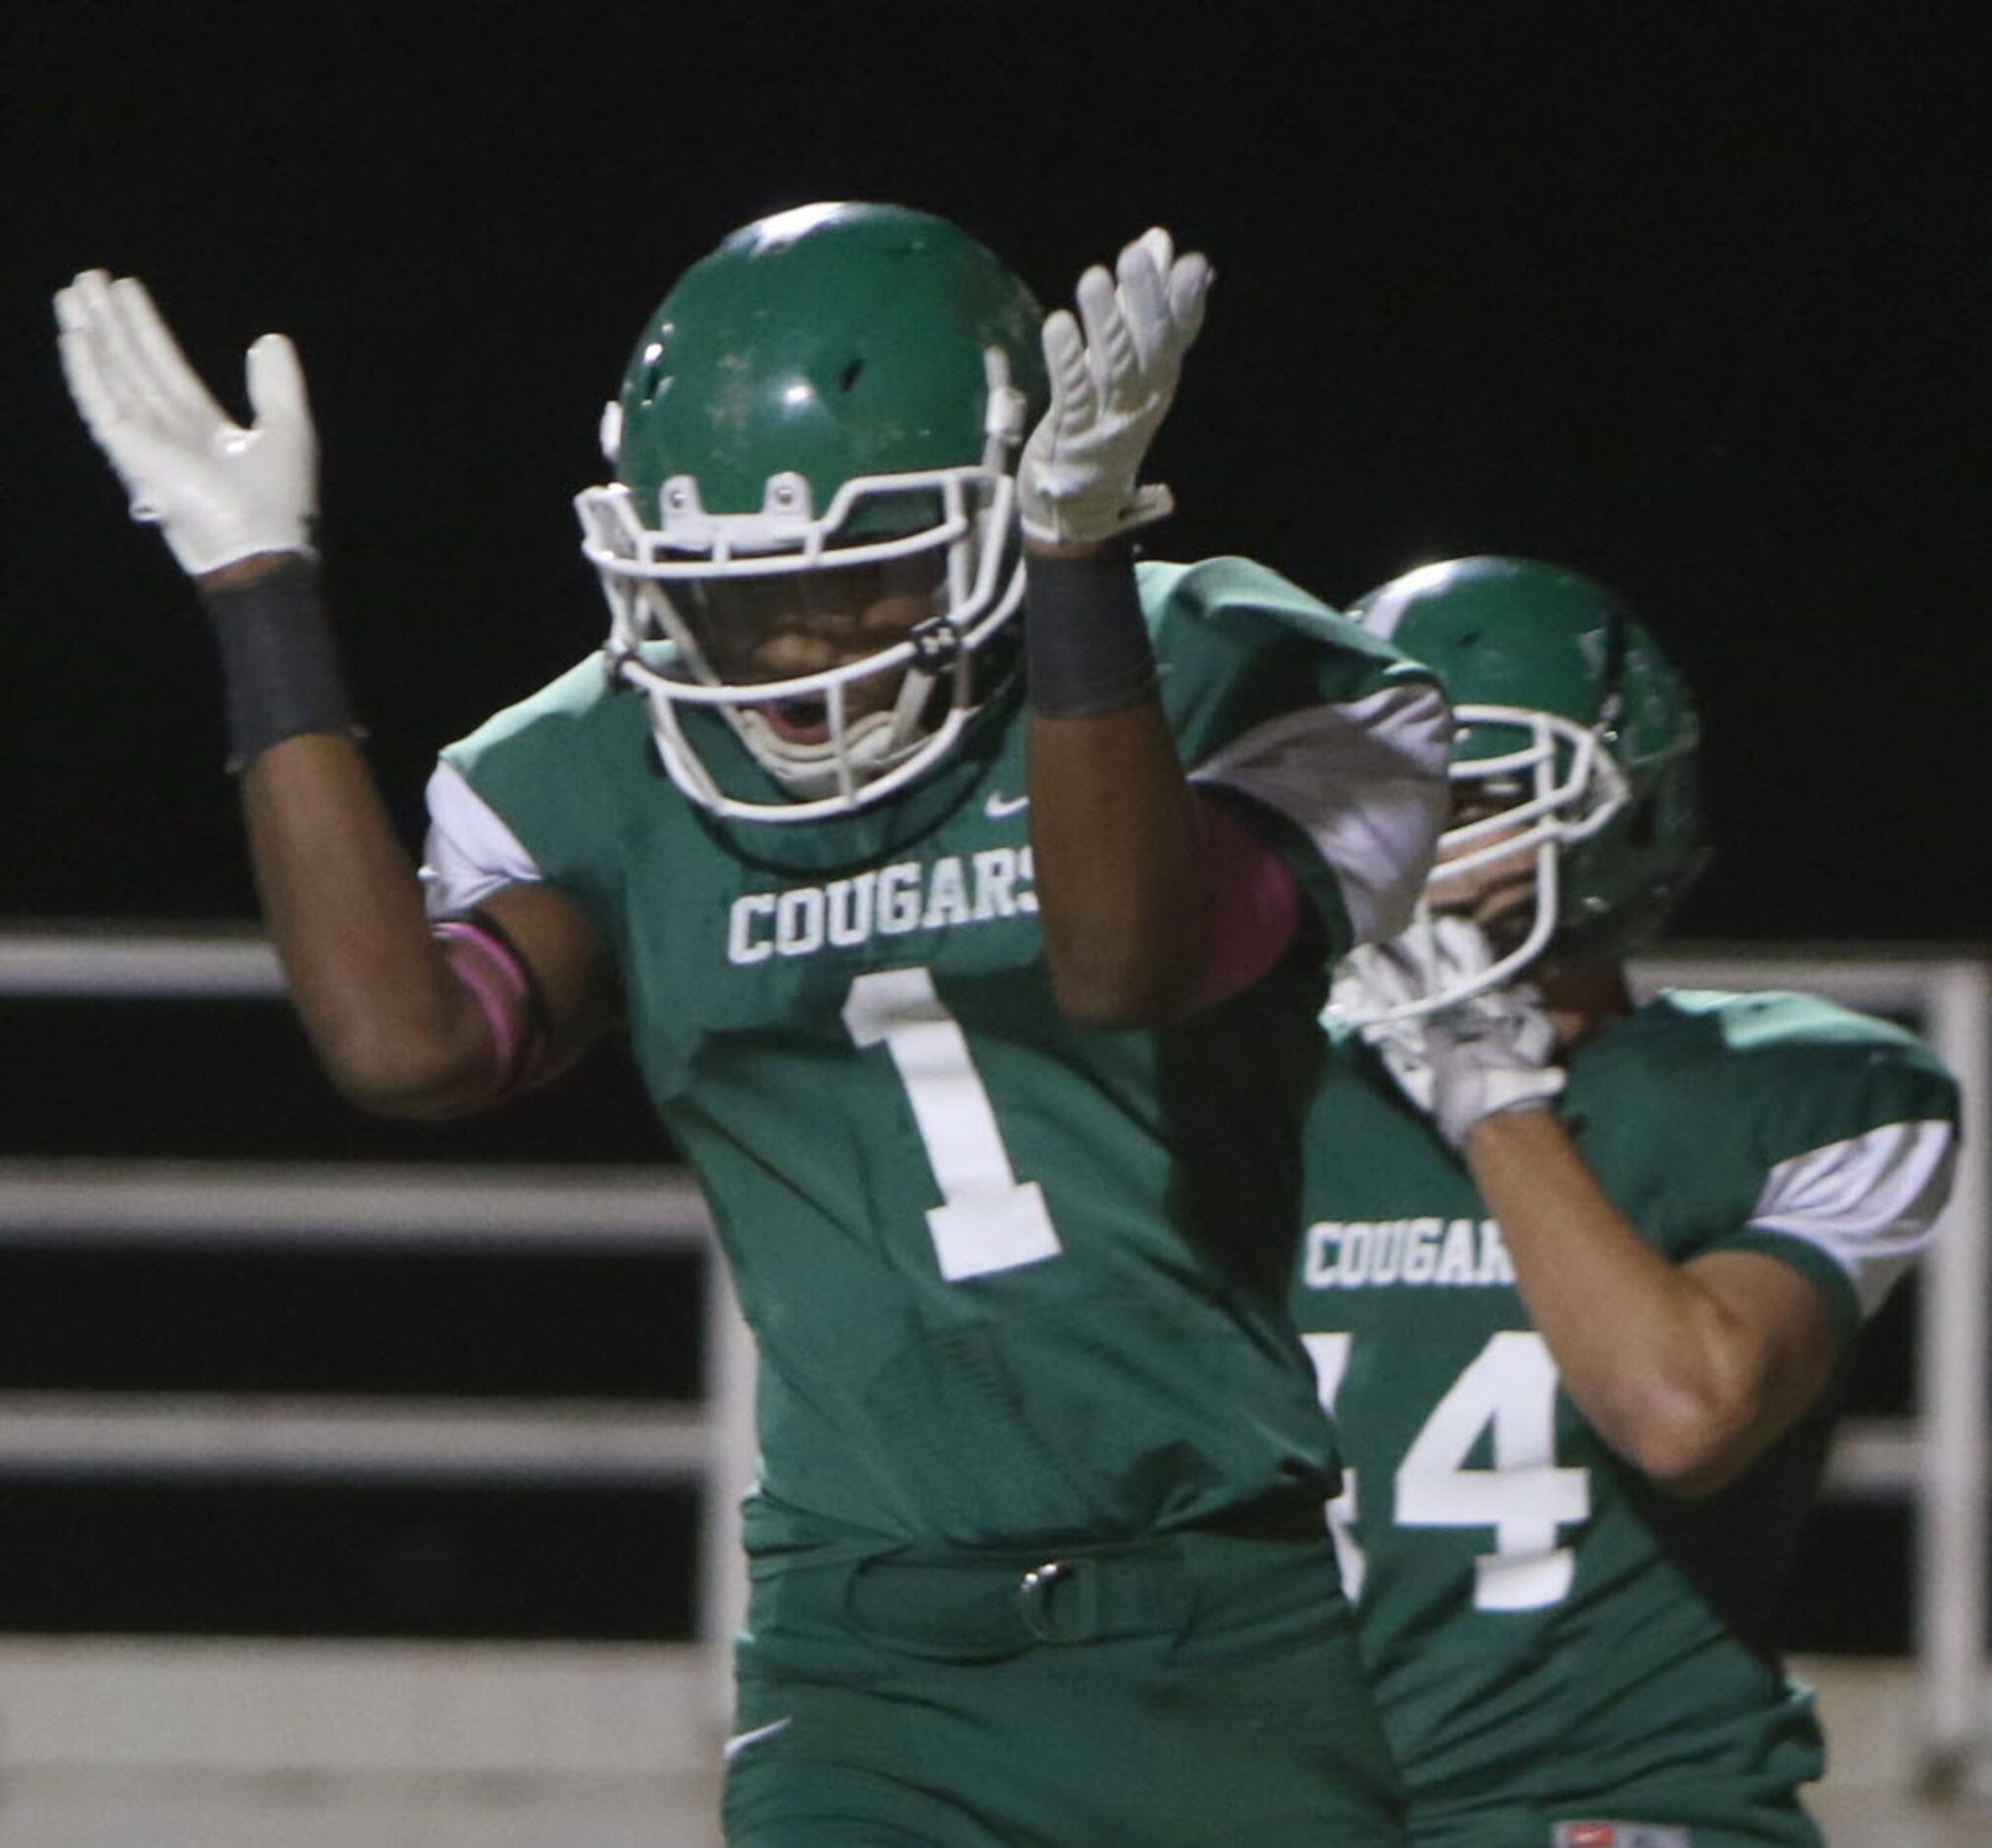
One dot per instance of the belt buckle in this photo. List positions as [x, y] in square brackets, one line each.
[1058, 1602]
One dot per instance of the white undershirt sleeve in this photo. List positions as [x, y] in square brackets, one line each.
[470, 852]
[1366, 781]
[1869, 1203]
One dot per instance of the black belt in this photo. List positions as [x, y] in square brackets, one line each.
[972, 1605]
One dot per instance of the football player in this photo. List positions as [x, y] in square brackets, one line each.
[974, 966]
[1580, 1275]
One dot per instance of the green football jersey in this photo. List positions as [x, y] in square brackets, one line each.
[1543, 1626]
[1011, 1279]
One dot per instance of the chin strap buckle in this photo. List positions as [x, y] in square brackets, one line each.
[936, 644]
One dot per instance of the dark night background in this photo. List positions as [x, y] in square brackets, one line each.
[1677, 295]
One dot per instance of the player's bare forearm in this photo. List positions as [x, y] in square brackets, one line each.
[1113, 835]
[1688, 1371]
[393, 1028]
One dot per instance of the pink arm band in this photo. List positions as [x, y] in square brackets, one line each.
[1252, 907]
[491, 970]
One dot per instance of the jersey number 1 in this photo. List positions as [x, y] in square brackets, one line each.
[988, 1219]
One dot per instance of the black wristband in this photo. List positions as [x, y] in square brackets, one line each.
[1086, 642]
[279, 668]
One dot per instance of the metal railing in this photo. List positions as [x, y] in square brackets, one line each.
[1935, 1459]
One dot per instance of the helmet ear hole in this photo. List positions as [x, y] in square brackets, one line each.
[851, 375]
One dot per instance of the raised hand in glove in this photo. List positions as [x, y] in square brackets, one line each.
[217, 491]
[1113, 371]
[1491, 1052]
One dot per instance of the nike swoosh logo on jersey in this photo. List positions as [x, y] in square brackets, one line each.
[741, 1740]
[1001, 808]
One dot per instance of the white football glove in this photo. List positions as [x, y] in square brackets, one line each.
[217, 491]
[1492, 1053]
[1111, 388]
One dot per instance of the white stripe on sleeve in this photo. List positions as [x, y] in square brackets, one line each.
[1367, 783]
[1868, 1202]
[470, 852]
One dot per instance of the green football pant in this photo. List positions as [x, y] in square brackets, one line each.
[1194, 1691]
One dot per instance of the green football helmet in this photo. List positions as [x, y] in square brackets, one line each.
[825, 410]
[1576, 752]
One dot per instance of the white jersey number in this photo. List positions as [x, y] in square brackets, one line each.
[1509, 1392]
[988, 1219]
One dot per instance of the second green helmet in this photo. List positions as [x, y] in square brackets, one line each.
[1577, 746]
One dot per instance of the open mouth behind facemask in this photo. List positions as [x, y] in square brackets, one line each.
[827, 631]
[840, 651]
